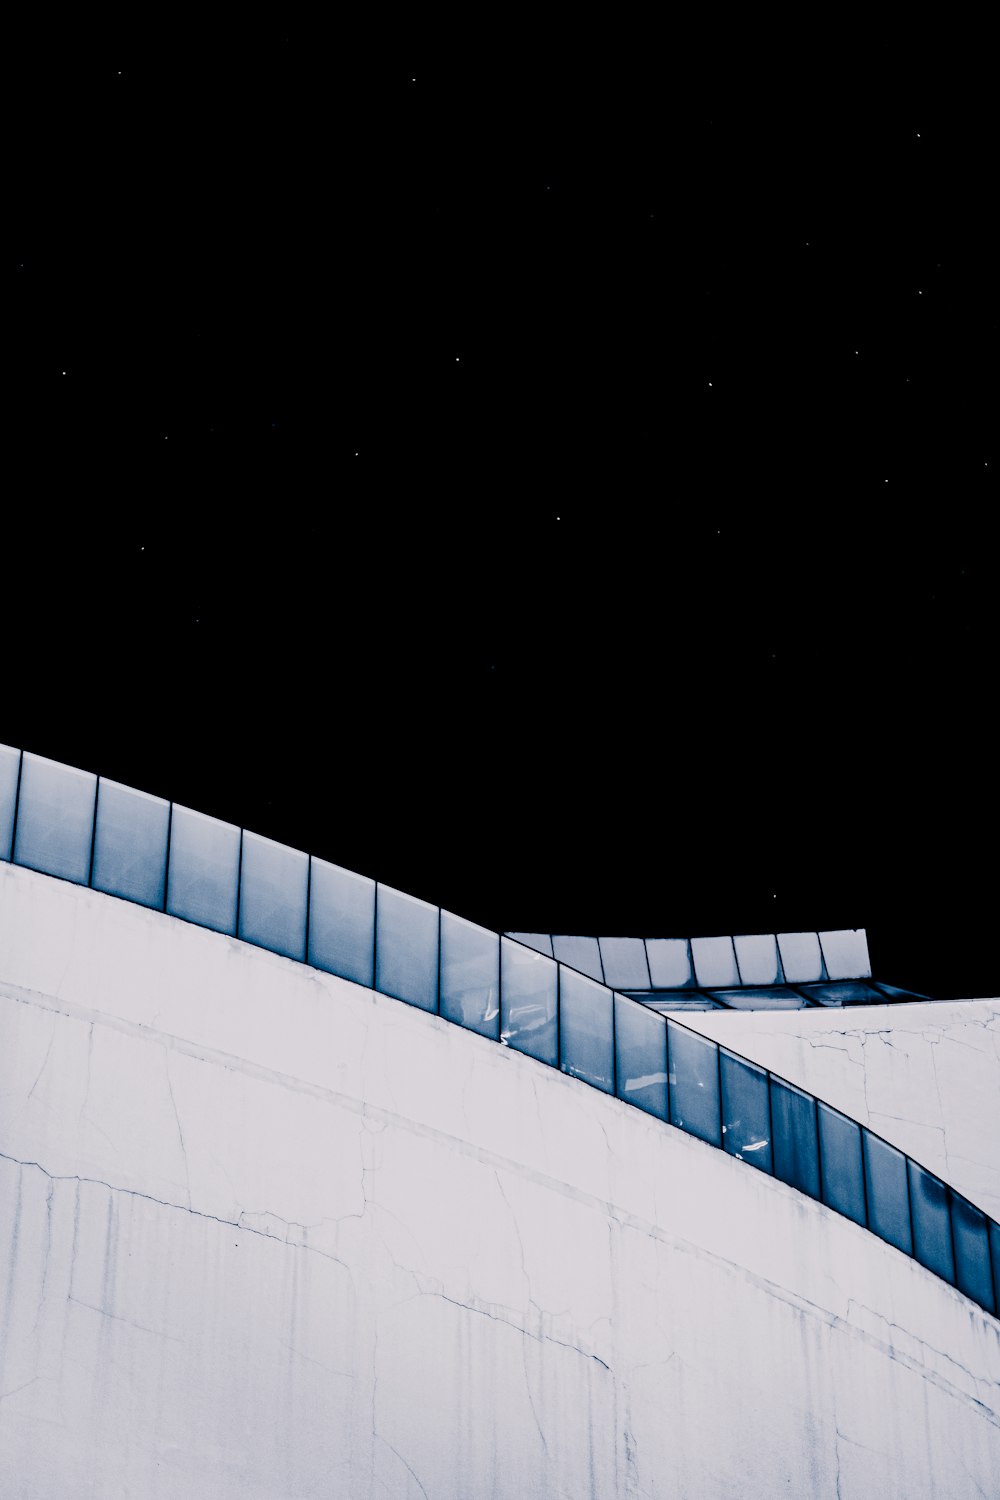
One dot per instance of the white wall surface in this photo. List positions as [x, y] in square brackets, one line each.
[264, 1234]
[924, 1076]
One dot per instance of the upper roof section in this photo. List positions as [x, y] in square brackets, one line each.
[759, 971]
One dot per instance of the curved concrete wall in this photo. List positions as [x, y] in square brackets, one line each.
[264, 1233]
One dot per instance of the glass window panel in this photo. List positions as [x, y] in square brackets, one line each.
[694, 1084]
[801, 956]
[10, 764]
[887, 1193]
[204, 870]
[931, 1222]
[470, 975]
[624, 963]
[540, 941]
[840, 1163]
[714, 962]
[55, 819]
[528, 1003]
[845, 992]
[892, 992]
[746, 1112]
[342, 922]
[757, 956]
[130, 844]
[995, 1257]
[794, 1140]
[406, 948]
[274, 890]
[670, 963]
[586, 1030]
[970, 1235]
[581, 953]
[846, 954]
[675, 1000]
[762, 999]
[641, 1057]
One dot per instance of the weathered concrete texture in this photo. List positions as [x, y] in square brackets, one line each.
[926, 1077]
[265, 1234]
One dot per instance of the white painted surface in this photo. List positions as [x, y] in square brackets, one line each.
[924, 1076]
[265, 1234]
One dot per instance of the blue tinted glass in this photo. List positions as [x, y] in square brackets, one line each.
[763, 999]
[623, 961]
[641, 1057]
[801, 956]
[586, 1030]
[470, 975]
[130, 844]
[840, 1163]
[931, 1222]
[406, 948]
[581, 953]
[669, 963]
[888, 1195]
[204, 870]
[528, 1002]
[970, 1234]
[746, 1112]
[714, 962]
[10, 765]
[844, 992]
[55, 819]
[540, 941]
[794, 1142]
[274, 883]
[667, 1002]
[757, 956]
[342, 923]
[694, 1084]
[995, 1258]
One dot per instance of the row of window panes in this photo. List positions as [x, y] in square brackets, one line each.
[710, 963]
[145, 850]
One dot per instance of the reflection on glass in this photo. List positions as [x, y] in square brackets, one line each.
[794, 1139]
[641, 1057]
[204, 872]
[887, 1192]
[995, 1258]
[762, 999]
[931, 1222]
[624, 963]
[342, 923]
[694, 1084]
[55, 819]
[667, 1002]
[840, 1163]
[846, 992]
[470, 975]
[581, 953]
[274, 886]
[714, 962]
[670, 963]
[130, 844]
[801, 957]
[970, 1236]
[406, 948]
[586, 1030]
[757, 956]
[746, 1112]
[528, 1002]
[10, 763]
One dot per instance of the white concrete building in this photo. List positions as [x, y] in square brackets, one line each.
[266, 1231]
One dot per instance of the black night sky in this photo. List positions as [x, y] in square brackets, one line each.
[561, 491]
